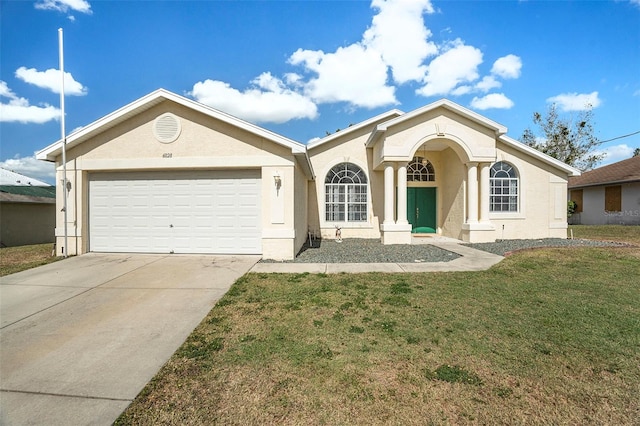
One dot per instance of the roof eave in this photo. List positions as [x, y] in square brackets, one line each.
[52, 151]
[358, 126]
[613, 182]
[571, 171]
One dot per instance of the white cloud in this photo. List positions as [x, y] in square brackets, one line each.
[29, 166]
[615, 153]
[5, 91]
[493, 100]
[509, 66]
[400, 23]
[353, 74]
[457, 65]
[576, 102]
[269, 101]
[487, 83]
[64, 6]
[50, 79]
[19, 110]
[462, 90]
[365, 74]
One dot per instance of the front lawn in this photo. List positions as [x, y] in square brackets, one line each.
[16, 259]
[549, 336]
[629, 234]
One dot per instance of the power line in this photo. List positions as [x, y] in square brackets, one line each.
[621, 137]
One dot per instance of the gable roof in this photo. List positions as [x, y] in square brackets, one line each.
[571, 171]
[442, 103]
[154, 98]
[621, 172]
[385, 116]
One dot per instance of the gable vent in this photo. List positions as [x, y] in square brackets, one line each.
[166, 128]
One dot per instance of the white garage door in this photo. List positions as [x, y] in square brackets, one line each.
[175, 212]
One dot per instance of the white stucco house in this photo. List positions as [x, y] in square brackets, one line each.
[607, 195]
[167, 174]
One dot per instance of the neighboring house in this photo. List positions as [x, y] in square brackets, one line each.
[27, 210]
[608, 194]
[167, 174]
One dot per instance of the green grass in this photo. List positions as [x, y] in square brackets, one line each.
[545, 337]
[629, 234]
[16, 259]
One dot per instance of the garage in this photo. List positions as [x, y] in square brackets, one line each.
[212, 212]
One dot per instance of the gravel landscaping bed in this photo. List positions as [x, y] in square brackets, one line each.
[368, 251]
[372, 251]
[501, 247]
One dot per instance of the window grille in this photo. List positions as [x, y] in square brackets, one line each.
[346, 194]
[504, 184]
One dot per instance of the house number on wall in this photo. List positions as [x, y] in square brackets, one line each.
[167, 155]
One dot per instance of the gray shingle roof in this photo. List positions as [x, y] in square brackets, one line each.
[621, 172]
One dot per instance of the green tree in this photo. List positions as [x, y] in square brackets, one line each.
[570, 140]
[636, 152]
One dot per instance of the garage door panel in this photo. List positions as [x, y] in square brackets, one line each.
[181, 212]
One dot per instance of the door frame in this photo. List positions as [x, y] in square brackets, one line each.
[431, 229]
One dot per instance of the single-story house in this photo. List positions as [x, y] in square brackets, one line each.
[168, 174]
[607, 195]
[27, 210]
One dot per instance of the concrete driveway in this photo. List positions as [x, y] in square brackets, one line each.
[81, 337]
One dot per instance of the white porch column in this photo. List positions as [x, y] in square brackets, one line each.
[402, 194]
[388, 194]
[484, 192]
[472, 193]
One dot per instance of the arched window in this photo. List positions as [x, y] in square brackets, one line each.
[420, 170]
[504, 184]
[345, 194]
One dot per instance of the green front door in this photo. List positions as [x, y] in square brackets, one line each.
[421, 209]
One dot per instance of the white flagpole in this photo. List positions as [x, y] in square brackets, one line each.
[65, 249]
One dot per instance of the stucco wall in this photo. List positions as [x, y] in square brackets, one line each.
[543, 210]
[450, 181]
[204, 143]
[593, 212]
[26, 223]
[350, 149]
[300, 210]
[471, 140]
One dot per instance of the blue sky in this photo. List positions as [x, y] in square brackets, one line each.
[304, 68]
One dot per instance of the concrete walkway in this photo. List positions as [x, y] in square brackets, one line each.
[81, 337]
[470, 260]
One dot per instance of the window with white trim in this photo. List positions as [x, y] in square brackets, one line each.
[345, 188]
[504, 183]
[420, 170]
